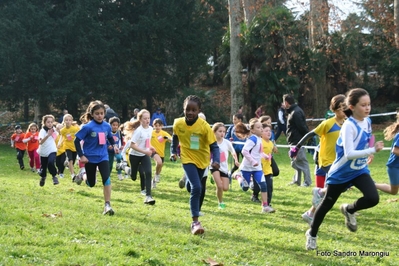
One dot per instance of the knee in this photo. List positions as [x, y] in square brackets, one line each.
[373, 200]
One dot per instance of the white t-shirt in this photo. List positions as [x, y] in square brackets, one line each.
[49, 145]
[142, 138]
[225, 148]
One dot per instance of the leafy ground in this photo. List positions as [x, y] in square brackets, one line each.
[64, 225]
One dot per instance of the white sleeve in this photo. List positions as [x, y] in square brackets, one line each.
[281, 117]
[349, 133]
[125, 149]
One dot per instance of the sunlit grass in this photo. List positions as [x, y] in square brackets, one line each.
[78, 233]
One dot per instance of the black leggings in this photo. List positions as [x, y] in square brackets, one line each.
[48, 163]
[144, 162]
[91, 169]
[269, 185]
[363, 182]
[59, 162]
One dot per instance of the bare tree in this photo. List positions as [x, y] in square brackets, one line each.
[396, 21]
[318, 29]
[237, 94]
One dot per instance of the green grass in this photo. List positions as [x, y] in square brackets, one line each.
[159, 235]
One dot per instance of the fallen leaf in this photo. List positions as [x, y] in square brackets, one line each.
[212, 262]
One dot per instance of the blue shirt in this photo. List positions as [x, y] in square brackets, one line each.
[92, 149]
[343, 169]
[393, 160]
[160, 116]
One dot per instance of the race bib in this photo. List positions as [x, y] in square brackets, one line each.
[69, 137]
[222, 157]
[194, 142]
[101, 138]
[161, 139]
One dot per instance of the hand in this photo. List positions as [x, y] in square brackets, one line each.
[116, 149]
[379, 145]
[84, 160]
[293, 152]
[237, 163]
[173, 158]
[215, 165]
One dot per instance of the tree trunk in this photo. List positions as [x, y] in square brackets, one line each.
[237, 95]
[318, 29]
[396, 21]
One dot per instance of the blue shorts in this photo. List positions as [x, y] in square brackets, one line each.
[393, 173]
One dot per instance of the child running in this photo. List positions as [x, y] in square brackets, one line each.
[197, 143]
[94, 152]
[17, 142]
[251, 164]
[350, 166]
[32, 141]
[60, 156]
[328, 131]
[392, 132]
[47, 149]
[141, 152]
[267, 146]
[220, 175]
[116, 134]
[158, 140]
[67, 141]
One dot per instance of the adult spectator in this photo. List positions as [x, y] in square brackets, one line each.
[135, 112]
[281, 121]
[160, 115]
[109, 113]
[296, 129]
[64, 112]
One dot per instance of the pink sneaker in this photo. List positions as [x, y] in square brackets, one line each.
[196, 228]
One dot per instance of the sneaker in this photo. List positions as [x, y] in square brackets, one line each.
[307, 218]
[126, 176]
[66, 163]
[78, 178]
[108, 210]
[55, 180]
[143, 192]
[153, 184]
[42, 181]
[22, 167]
[244, 184]
[310, 241]
[149, 200]
[267, 209]
[317, 198]
[32, 169]
[121, 165]
[305, 185]
[196, 228]
[182, 182]
[222, 206]
[255, 199]
[39, 171]
[120, 177]
[350, 219]
[61, 175]
[157, 178]
[293, 183]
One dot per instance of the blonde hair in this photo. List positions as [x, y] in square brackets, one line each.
[216, 126]
[32, 125]
[390, 131]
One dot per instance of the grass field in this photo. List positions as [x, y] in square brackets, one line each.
[64, 225]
